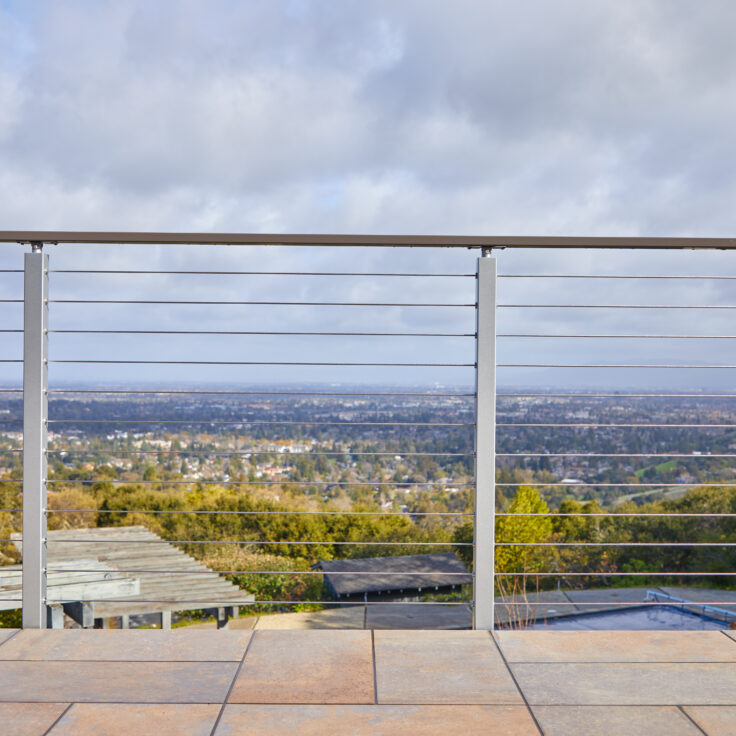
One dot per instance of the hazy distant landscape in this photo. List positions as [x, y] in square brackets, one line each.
[404, 455]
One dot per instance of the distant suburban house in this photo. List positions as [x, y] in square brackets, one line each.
[403, 578]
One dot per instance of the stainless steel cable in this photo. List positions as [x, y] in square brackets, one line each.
[285, 482]
[599, 425]
[608, 365]
[616, 306]
[256, 332]
[201, 512]
[254, 273]
[253, 422]
[264, 542]
[255, 362]
[248, 303]
[165, 392]
[611, 276]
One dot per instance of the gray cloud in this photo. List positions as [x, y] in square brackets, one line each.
[553, 118]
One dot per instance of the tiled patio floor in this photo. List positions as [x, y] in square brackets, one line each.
[323, 682]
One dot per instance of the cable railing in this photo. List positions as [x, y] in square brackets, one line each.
[505, 435]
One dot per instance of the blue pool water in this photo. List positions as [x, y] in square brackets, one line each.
[631, 619]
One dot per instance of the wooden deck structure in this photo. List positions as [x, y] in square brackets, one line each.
[161, 577]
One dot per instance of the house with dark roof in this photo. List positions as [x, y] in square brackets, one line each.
[401, 578]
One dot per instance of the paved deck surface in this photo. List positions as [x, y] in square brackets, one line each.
[377, 683]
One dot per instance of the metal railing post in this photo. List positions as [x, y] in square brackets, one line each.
[485, 445]
[35, 436]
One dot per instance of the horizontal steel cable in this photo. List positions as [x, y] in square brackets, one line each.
[217, 602]
[614, 337]
[692, 456]
[257, 273]
[615, 574]
[254, 393]
[623, 514]
[255, 513]
[614, 396]
[622, 485]
[261, 362]
[238, 453]
[616, 306]
[607, 276]
[206, 481]
[268, 572]
[254, 422]
[608, 424]
[615, 544]
[248, 303]
[589, 365]
[254, 362]
[629, 604]
[263, 542]
[256, 332]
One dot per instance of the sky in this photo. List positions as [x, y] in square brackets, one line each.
[532, 118]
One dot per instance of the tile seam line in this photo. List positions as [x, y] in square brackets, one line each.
[516, 684]
[115, 702]
[499, 703]
[56, 721]
[127, 661]
[12, 636]
[691, 719]
[375, 666]
[625, 661]
[216, 724]
[630, 704]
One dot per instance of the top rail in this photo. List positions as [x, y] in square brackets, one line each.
[353, 240]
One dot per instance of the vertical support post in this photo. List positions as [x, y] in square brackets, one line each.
[485, 445]
[35, 436]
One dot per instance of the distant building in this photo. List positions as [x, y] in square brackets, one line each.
[402, 578]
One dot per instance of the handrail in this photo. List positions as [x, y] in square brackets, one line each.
[357, 240]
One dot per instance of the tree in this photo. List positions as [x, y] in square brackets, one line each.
[525, 530]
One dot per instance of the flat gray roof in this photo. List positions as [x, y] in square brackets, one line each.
[404, 572]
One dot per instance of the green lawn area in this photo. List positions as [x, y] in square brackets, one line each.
[661, 468]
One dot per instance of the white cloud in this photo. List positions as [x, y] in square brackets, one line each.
[569, 117]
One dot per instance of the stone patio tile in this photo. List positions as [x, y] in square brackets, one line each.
[410, 616]
[627, 684]
[117, 682]
[441, 667]
[515, 608]
[113, 719]
[146, 645]
[28, 719]
[345, 617]
[731, 633]
[619, 646]
[5, 634]
[376, 720]
[646, 720]
[715, 720]
[601, 599]
[317, 666]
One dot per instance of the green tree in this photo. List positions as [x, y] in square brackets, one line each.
[524, 530]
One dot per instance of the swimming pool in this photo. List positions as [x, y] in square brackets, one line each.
[634, 619]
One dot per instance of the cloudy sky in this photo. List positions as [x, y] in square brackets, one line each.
[568, 117]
